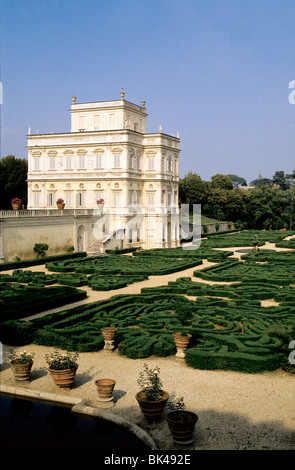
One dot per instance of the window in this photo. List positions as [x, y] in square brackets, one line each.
[151, 199]
[169, 199]
[170, 163]
[52, 162]
[151, 162]
[138, 234]
[81, 162]
[98, 161]
[138, 197]
[130, 234]
[36, 163]
[50, 200]
[117, 160]
[68, 199]
[80, 197]
[81, 123]
[69, 162]
[36, 199]
[116, 199]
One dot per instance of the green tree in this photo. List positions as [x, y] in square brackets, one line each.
[238, 180]
[13, 180]
[280, 180]
[260, 182]
[226, 204]
[192, 189]
[221, 181]
[265, 208]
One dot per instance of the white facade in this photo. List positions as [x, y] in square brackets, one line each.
[108, 154]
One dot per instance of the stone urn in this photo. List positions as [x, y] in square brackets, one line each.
[108, 333]
[181, 342]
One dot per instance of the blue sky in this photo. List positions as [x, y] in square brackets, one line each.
[216, 71]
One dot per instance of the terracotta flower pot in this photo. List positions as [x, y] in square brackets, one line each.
[181, 340]
[105, 389]
[182, 426]
[15, 206]
[108, 333]
[181, 343]
[21, 371]
[60, 206]
[152, 410]
[64, 378]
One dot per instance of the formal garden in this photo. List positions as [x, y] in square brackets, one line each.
[230, 326]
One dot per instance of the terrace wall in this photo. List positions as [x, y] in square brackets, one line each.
[19, 231]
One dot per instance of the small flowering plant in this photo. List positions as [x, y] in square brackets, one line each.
[16, 200]
[61, 361]
[177, 404]
[150, 382]
[100, 201]
[22, 357]
[60, 201]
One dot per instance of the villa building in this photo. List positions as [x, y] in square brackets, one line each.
[107, 155]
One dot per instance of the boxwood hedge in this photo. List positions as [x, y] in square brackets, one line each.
[230, 327]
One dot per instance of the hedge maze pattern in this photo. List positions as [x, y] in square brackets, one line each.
[230, 327]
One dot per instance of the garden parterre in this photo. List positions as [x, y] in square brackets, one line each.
[229, 326]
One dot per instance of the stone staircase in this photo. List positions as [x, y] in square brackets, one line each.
[98, 246]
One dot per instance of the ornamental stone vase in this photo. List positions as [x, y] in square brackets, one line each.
[181, 343]
[108, 333]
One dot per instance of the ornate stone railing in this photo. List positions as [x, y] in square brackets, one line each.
[4, 214]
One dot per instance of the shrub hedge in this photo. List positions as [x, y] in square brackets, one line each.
[231, 334]
[230, 328]
[19, 301]
[38, 261]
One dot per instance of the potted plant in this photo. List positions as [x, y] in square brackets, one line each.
[62, 367]
[151, 399]
[60, 203]
[100, 204]
[16, 203]
[180, 421]
[181, 339]
[21, 364]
